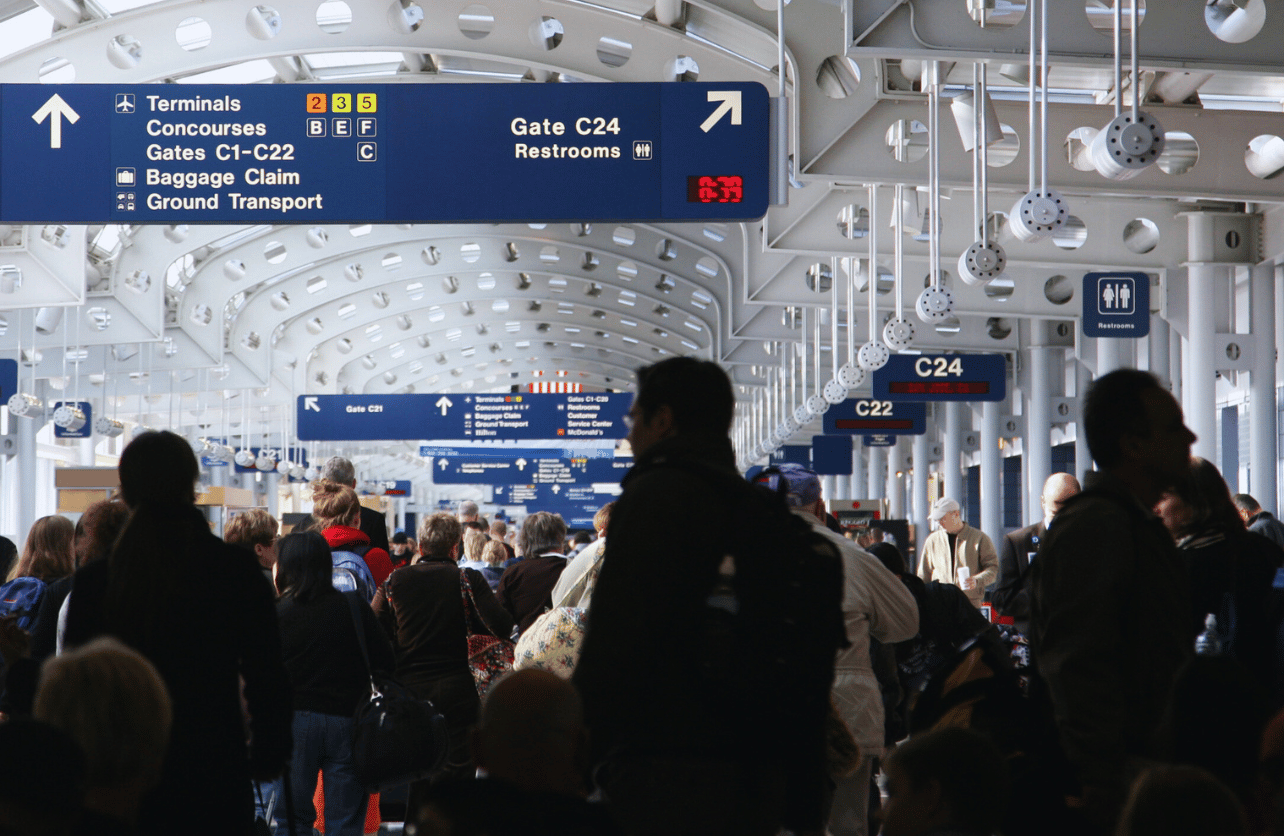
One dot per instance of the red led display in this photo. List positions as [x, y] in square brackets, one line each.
[873, 424]
[705, 189]
[939, 387]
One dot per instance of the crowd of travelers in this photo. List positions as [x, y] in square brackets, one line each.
[731, 660]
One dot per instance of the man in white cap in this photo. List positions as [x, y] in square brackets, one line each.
[957, 553]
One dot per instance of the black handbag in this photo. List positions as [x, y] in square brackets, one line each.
[397, 737]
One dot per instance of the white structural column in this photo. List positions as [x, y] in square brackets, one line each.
[218, 515]
[858, 484]
[895, 487]
[991, 488]
[1114, 354]
[1200, 373]
[1082, 457]
[877, 473]
[272, 484]
[952, 461]
[1038, 419]
[27, 428]
[829, 486]
[1160, 352]
[918, 493]
[1262, 445]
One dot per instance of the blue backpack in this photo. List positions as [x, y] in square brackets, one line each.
[22, 597]
[351, 574]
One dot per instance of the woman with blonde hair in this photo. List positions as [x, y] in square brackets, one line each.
[338, 517]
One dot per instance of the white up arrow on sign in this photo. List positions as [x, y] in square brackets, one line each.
[54, 110]
[441, 463]
[521, 464]
[310, 403]
[444, 403]
[730, 103]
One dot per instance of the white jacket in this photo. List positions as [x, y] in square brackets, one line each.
[875, 603]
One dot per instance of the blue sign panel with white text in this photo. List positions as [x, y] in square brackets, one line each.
[303, 153]
[584, 416]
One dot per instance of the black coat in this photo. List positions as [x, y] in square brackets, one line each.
[218, 627]
[1012, 591]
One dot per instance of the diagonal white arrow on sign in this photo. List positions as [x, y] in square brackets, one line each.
[730, 104]
[310, 404]
[54, 110]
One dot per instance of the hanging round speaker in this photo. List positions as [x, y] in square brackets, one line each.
[982, 262]
[934, 304]
[898, 333]
[1126, 146]
[873, 355]
[851, 375]
[1037, 215]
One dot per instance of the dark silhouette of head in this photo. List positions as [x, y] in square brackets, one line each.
[158, 468]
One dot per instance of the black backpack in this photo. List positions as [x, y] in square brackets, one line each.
[773, 623]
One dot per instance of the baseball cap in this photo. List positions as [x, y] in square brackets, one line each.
[941, 507]
[800, 485]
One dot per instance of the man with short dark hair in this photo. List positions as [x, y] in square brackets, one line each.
[1110, 594]
[1259, 520]
[676, 754]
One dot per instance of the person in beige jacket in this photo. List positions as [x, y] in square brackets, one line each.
[957, 546]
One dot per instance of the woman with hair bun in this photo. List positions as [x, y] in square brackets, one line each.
[338, 517]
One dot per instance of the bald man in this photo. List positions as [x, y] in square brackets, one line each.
[1012, 593]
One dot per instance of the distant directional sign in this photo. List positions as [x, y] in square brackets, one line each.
[150, 154]
[1116, 305]
[585, 416]
[8, 379]
[576, 504]
[878, 440]
[857, 416]
[942, 377]
[528, 465]
[86, 428]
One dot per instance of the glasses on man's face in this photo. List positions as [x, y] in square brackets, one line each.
[629, 420]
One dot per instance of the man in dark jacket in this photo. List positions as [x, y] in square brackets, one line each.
[676, 755]
[1111, 596]
[1259, 520]
[1012, 593]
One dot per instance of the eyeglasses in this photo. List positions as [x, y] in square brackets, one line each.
[629, 421]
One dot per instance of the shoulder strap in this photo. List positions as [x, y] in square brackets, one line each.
[361, 636]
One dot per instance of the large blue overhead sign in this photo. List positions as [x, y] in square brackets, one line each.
[532, 466]
[432, 153]
[473, 417]
[942, 377]
[861, 416]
